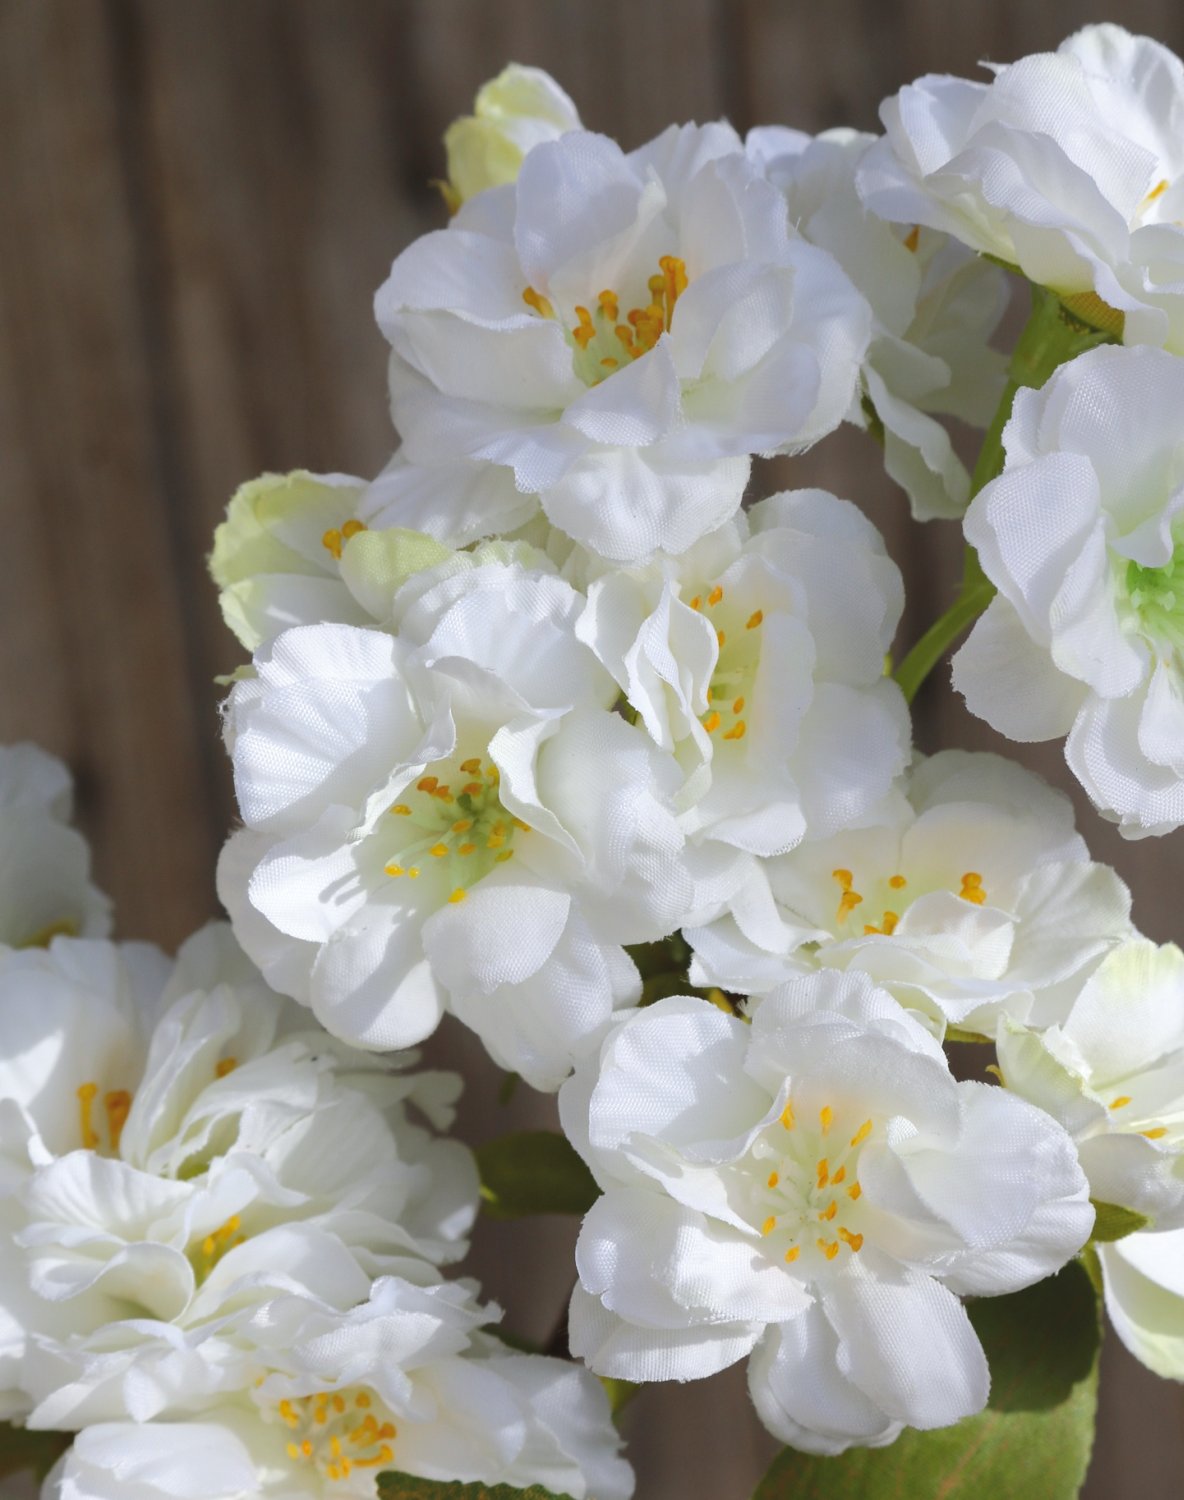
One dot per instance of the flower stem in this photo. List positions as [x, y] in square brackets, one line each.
[1051, 337]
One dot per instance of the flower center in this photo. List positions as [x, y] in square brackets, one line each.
[338, 1432]
[453, 820]
[807, 1200]
[601, 339]
[117, 1104]
[334, 540]
[729, 694]
[970, 889]
[1156, 601]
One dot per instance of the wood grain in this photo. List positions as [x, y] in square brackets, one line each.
[197, 200]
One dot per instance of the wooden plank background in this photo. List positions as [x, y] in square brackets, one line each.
[197, 200]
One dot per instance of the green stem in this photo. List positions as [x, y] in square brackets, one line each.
[1051, 337]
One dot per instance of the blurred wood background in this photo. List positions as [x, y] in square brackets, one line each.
[197, 201]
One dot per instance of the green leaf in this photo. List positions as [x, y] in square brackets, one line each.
[24, 1450]
[534, 1172]
[1034, 1438]
[1113, 1222]
[394, 1486]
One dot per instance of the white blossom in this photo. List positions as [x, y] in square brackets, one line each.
[622, 332]
[1112, 1072]
[408, 1379]
[814, 1190]
[1083, 536]
[758, 658]
[517, 110]
[1069, 165]
[934, 304]
[452, 813]
[169, 1133]
[1143, 1278]
[975, 897]
[45, 885]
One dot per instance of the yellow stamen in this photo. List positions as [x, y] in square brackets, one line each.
[471, 766]
[697, 602]
[844, 877]
[462, 825]
[609, 305]
[854, 1192]
[829, 1248]
[413, 873]
[331, 541]
[1157, 191]
[721, 638]
[503, 856]
[829, 1211]
[1121, 1102]
[712, 722]
[913, 238]
[393, 870]
[438, 851]
[823, 1171]
[972, 890]
[826, 1115]
[862, 1133]
[754, 619]
[426, 784]
[401, 810]
[787, 1118]
[352, 528]
[792, 1254]
[854, 1240]
[538, 303]
[715, 595]
[737, 731]
[118, 1105]
[738, 705]
[585, 331]
[847, 904]
[769, 1225]
[457, 895]
[466, 848]
[774, 1179]
[1155, 1135]
[227, 1065]
[897, 882]
[839, 1176]
[87, 1093]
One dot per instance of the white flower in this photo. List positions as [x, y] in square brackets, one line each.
[934, 305]
[1069, 165]
[1143, 1276]
[452, 812]
[758, 657]
[622, 332]
[45, 885]
[976, 898]
[305, 549]
[817, 1191]
[519, 109]
[407, 1380]
[1083, 536]
[166, 1136]
[1112, 1072]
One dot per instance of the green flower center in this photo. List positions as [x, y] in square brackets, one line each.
[452, 821]
[1155, 598]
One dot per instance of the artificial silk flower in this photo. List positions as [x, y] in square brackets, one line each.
[303, 549]
[1143, 1281]
[452, 813]
[934, 305]
[976, 898]
[757, 657]
[170, 1132]
[813, 1190]
[622, 332]
[1083, 536]
[1112, 1073]
[408, 1379]
[45, 885]
[1069, 165]
[517, 110]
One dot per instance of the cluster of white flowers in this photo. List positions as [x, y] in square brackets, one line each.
[223, 1228]
[545, 729]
